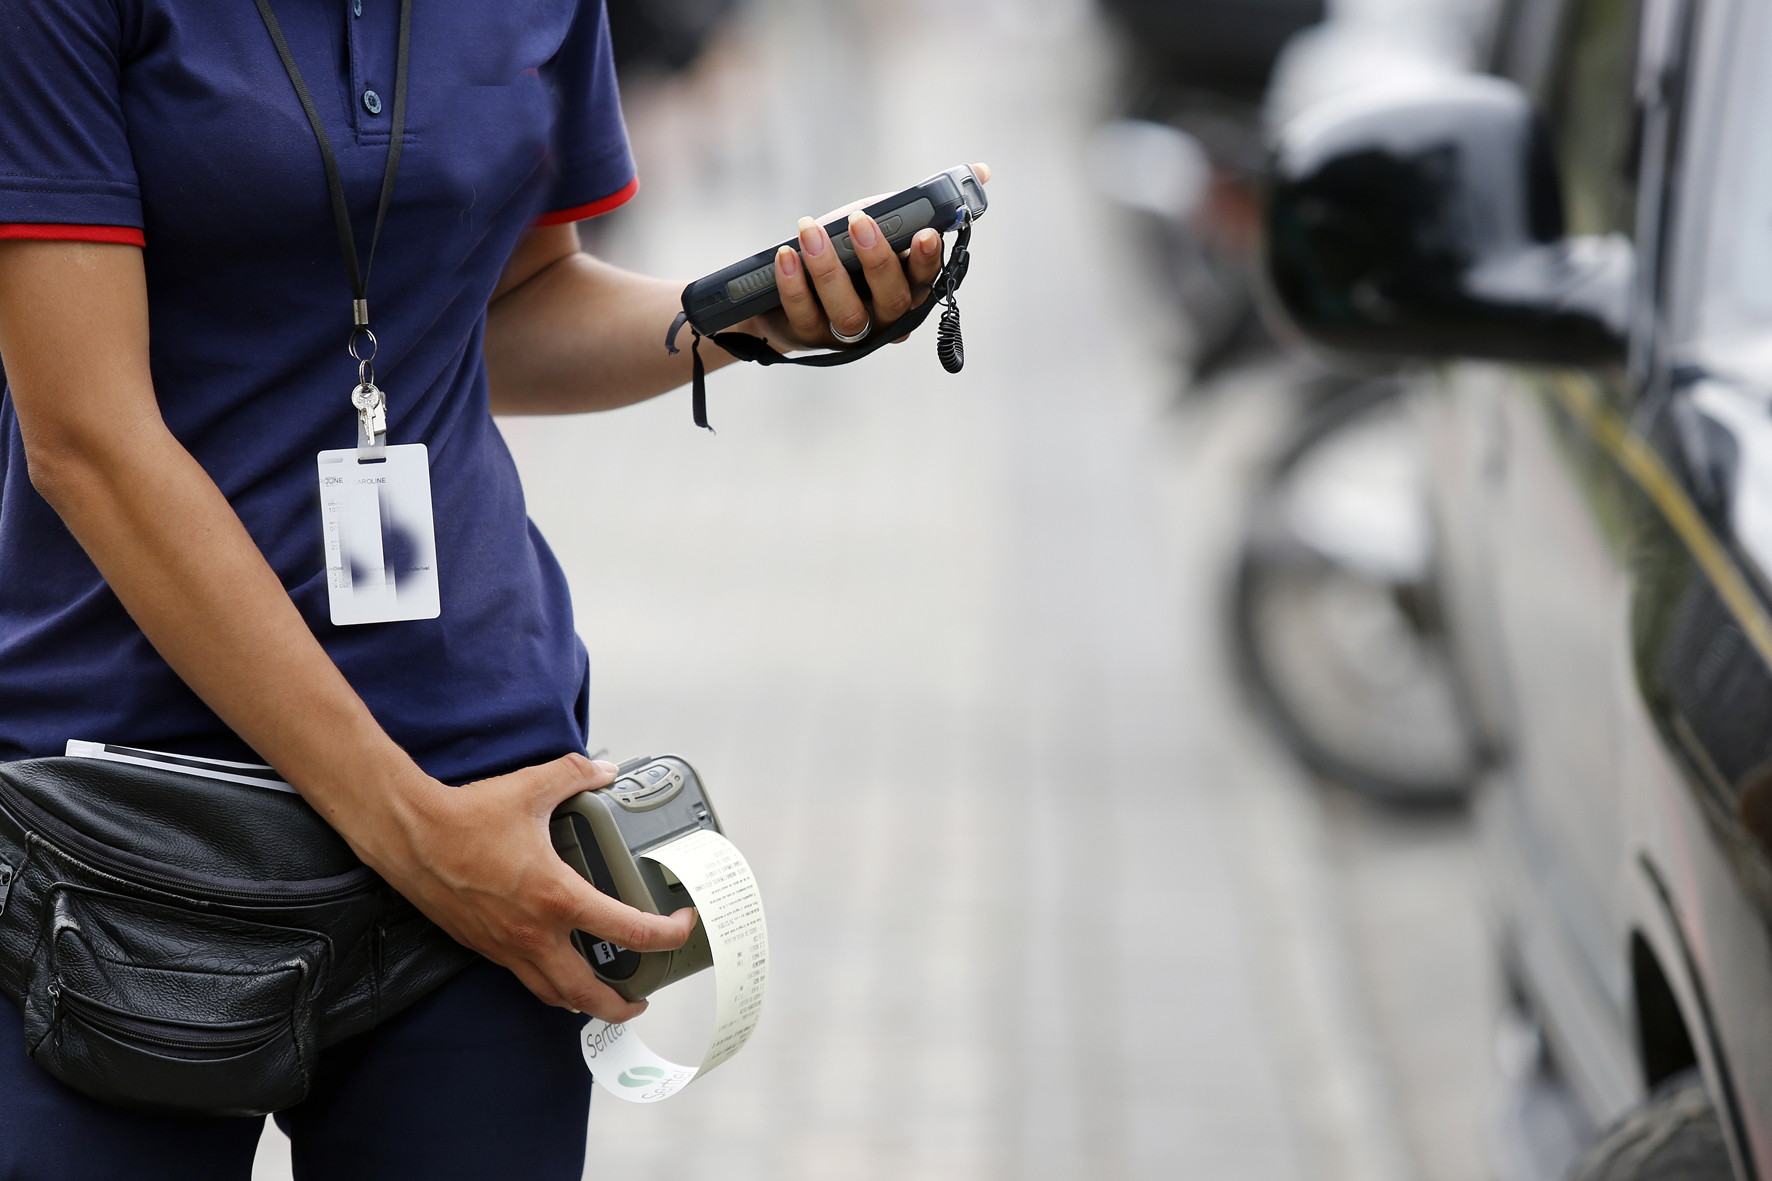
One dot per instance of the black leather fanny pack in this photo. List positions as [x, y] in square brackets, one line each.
[184, 944]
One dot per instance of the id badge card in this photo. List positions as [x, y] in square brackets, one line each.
[381, 544]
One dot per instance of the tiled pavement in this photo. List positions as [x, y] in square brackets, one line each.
[1042, 903]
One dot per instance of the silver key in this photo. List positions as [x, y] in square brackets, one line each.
[372, 409]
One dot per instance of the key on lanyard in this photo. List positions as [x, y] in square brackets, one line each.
[371, 403]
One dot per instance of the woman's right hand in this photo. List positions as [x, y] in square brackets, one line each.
[479, 861]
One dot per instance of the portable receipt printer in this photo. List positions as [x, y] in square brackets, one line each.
[605, 835]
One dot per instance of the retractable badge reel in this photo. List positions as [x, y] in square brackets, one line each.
[375, 499]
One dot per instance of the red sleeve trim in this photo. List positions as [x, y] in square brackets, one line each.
[49, 232]
[580, 212]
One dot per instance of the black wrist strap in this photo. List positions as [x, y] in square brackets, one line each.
[341, 212]
[745, 347]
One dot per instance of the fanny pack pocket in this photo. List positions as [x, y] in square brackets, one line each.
[135, 998]
[164, 958]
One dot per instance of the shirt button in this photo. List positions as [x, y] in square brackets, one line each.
[357, 8]
[372, 102]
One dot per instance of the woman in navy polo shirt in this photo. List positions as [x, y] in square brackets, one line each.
[173, 311]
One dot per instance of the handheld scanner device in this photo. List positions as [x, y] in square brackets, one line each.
[604, 835]
[738, 292]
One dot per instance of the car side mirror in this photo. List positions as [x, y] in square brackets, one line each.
[1431, 224]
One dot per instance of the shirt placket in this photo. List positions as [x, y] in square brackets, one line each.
[372, 42]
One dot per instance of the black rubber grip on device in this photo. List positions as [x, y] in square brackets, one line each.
[747, 287]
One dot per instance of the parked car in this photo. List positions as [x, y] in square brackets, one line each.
[1585, 242]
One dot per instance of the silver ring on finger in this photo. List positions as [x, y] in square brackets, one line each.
[859, 336]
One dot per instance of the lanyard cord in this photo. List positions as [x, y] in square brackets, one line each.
[341, 213]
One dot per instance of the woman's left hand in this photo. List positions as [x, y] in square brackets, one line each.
[818, 297]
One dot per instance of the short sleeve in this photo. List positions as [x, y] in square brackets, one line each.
[593, 168]
[64, 153]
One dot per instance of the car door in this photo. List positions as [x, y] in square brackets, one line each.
[1554, 521]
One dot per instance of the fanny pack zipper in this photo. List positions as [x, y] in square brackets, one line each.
[168, 1034]
[179, 884]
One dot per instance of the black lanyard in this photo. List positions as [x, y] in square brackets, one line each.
[341, 213]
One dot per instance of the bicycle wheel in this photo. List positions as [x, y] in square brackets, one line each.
[1338, 634]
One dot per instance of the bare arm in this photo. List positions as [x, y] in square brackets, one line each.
[74, 337]
[566, 332]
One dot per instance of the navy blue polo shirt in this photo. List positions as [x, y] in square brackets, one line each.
[172, 122]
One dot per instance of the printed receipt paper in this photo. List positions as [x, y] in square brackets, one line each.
[381, 546]
[728, 904]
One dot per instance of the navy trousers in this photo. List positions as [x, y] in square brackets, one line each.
[478, 1080]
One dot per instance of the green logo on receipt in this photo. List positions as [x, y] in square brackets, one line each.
[640, 1076]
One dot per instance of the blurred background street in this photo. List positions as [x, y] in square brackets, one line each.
[1046, 900]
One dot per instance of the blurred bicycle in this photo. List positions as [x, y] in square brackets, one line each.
[1336, 622]
[1188, 159]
